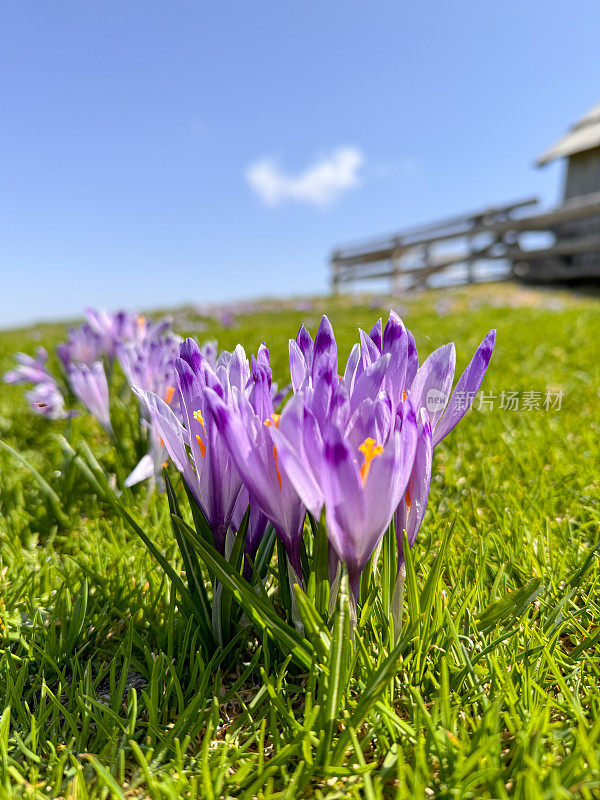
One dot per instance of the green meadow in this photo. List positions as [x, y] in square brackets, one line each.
[493, 687]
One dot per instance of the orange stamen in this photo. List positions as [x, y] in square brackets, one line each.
[165, 464]
[141, 322]
[273, 420]
[199, 418]
[276, 465]
[408, 499]
[201, 445]
[169, 395]
[162, 442]
[403, 394]
[370, 449]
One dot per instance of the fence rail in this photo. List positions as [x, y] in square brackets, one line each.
[412, 256]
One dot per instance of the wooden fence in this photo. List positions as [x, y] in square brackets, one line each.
[410, 258]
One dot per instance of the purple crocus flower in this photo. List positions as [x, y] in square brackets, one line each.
[112, 328]
[246, 429]
[313, 368]
[430, 385]
[83, 346]
[210, 352]
[438, 415]
[394, 344]
[384, 364]
[413, 504]
[357, 470]
[89, 385]
[173, 435]
[29, 369]
[150, 364]
[307, 356]
[46, 399]
[148, 329]
[209, 470]
[464, 392]
[218, 482]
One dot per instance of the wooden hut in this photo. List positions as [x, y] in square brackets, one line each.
[581, 149]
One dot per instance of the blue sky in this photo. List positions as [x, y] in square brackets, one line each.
[155, 153]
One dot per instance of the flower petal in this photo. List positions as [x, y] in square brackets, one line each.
[394, 329]
[247, 456]
[412, 360]
[376, 334]
[173, 434]
[369, 383]
[350, 373]
[298, 368]
[369, 350]
[433, 382]
[325, 346]
[466, 388]
[141, 472]
[411, 509]
[305, 343]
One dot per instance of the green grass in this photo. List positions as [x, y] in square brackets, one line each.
[494, 692]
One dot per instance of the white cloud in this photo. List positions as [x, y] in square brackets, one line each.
[320, 184]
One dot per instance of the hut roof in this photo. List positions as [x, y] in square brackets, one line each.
[584, 135]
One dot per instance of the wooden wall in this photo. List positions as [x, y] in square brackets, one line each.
[583, 174]
[582, 178]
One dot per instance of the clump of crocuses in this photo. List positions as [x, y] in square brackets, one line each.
[352, 447]
[352, 443]
[145, 350]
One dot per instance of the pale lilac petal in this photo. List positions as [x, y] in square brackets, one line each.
[369, 383]
[375, 334]
[322, 394]
[298, 368]
[325, 346]
[191, 353]
[372, 419]
[342, 489]
[239, 369]
[351, 367]
[369, 350]
[172, 433]
[143, 471]
[433, 382]
[279, 395]
[251, 448]
[395, 376]
[394, 330]
[390, 470]
[466, 388]
[305, 343]
[298, 428]
[243, 451]
[412, 360]
[411, 509]
[299, 473]
[260, 393]
[90, 386]
[30, 369]
[46, 399]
